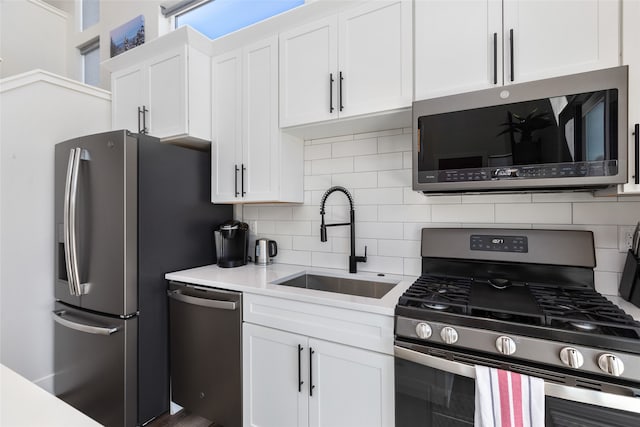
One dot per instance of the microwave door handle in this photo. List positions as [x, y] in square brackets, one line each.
[66, 221]
[622, 401]
[636, 133]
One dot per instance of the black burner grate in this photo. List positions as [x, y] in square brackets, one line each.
[438, 293]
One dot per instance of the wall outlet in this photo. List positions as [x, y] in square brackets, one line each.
[625, 237]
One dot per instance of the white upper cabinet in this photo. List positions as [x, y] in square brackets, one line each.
[467, 45]
[353, 63]
[559, 37]
[252, 160]
[631, 57]
[163, 88]
[458, 46]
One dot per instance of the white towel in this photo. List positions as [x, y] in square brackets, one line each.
[508, 399]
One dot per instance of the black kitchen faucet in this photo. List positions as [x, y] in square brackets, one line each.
[353, 259]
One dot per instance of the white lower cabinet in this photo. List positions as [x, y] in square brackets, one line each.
[295, 380]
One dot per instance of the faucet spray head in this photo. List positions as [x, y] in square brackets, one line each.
[323, 229]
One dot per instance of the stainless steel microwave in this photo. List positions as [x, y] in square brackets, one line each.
[566, 132]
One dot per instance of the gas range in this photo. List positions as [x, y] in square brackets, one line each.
[523, 297]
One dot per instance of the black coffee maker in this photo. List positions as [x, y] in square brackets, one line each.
[232, 243]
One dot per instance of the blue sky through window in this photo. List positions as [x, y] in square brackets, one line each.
[219, 17]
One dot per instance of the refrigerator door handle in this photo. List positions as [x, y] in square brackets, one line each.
[74, 273]
[66, 224]
[58, 317]
[210, 303]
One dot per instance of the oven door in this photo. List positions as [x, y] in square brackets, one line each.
[433, 391]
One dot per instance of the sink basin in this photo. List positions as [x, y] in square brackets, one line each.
[340, 285]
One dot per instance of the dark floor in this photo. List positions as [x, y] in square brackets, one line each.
[181, 419]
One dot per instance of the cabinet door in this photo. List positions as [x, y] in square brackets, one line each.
[559, 37]
[375, 57]
[631, 57]
[272, 366]
[260, 148]
[167, 82]
[128, 94]
[226, 135]
[308, 63]
[455, 50]
[353, 387]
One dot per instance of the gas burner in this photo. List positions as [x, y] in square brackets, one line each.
[440, 307]
[584, 326]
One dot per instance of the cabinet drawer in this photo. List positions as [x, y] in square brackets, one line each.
[355, 328]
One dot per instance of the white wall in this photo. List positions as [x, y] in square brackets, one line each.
[37, 111]
[376, 168]
[33, 35]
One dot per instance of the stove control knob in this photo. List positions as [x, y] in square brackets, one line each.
[423, 330]
[571, 357]
[449, 335]
[506, 345]
[611, 364]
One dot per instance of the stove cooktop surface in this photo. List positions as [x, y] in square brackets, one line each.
[574, 314]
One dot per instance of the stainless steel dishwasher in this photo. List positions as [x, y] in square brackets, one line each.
[206, 352]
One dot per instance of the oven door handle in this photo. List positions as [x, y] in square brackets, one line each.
[560, 391]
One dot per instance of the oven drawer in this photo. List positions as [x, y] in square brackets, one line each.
[447, 389]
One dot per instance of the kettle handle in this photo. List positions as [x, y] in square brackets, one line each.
[274, 245]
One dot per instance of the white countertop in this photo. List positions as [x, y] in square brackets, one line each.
[22, 403]
[256, 279]
[631, 309]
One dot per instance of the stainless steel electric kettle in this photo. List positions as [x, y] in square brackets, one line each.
[265, 250]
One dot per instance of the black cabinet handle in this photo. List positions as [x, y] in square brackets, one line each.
[636, 132]
[242, 180]
[311, 386]
[139, 112]
[144, 120]
[340, 85]
[300, 382]
[331, 93]
[495, 58]
[511, 52]
[235, 181]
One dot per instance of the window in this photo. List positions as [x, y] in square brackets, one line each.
[216, 18]
[91, 62]
[90, 13]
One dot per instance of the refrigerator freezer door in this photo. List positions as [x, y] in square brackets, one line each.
[99, 224]
[95, 364]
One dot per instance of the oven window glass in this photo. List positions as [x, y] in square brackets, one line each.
[573, 135]
[428, 397]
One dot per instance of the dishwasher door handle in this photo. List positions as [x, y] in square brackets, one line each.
[203, 302]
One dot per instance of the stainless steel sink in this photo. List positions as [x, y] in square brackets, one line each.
[340, 285]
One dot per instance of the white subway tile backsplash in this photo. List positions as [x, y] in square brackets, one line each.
[286, 256]
[357, 147]
[294, 228]
[355, 180]
[379, 230]
[381, 196]
[607, 282]
[463, 213]
[275, 213]
[378, 162]
[396, 178]
[329, 260]
[310, 243]
[327, 166]
[412, 266]
[402, 248]
[319, 151]
[404, 213]
[539, 213]
[317, 182]
[618, 213]
[610, 260]
[376, 168]
[394, 143]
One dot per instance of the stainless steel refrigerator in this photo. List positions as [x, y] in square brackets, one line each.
[128, 209]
